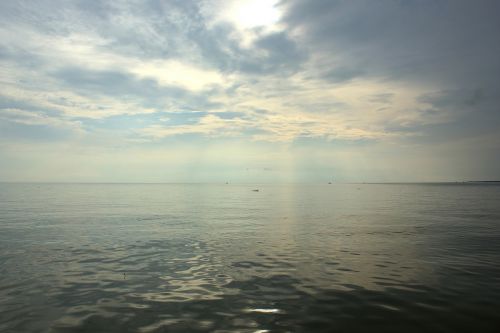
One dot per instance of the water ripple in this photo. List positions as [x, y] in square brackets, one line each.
[384, 259]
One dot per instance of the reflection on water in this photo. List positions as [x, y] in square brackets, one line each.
[187, 258]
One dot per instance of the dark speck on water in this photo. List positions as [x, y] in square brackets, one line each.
[215, 258]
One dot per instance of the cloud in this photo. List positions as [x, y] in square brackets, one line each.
[146, 72]
[421, 41]
[18, 124]
[382, 98]
[342, 74]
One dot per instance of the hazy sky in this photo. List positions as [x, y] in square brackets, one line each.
[249, 91]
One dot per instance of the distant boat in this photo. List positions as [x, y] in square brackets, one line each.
[256, 190]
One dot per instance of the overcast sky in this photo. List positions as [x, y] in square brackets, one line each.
[249, 91]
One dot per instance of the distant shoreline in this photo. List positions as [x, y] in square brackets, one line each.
[484, 181]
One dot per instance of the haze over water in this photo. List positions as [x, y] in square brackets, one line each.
[288, 258]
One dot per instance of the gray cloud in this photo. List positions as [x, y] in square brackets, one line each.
[439, 41]
[115, 83]
[454, 98]
[128, 87]
[342, 74]
[446, 44]
[157, 30]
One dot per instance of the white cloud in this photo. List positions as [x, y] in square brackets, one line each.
[176, 73]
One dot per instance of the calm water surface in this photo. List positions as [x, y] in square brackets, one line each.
[225, 258]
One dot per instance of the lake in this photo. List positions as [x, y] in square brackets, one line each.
[227, 258]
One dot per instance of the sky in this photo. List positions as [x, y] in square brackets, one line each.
[249, 91]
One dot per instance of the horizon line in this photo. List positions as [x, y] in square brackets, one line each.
[249, 183]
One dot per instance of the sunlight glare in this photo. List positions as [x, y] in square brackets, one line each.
[255, 13]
